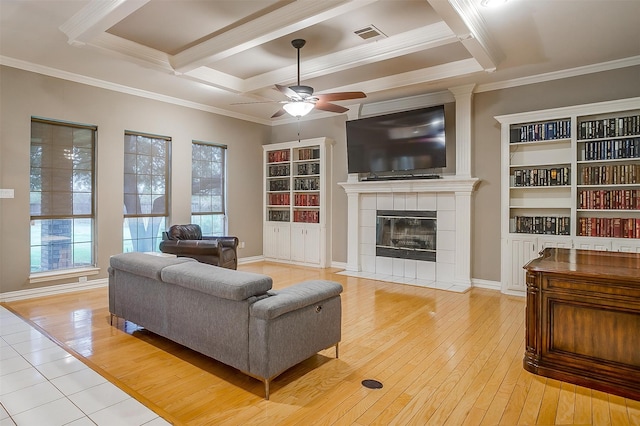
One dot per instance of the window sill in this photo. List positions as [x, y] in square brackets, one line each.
[41, 277]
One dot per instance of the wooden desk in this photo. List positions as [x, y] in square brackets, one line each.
[583, 319]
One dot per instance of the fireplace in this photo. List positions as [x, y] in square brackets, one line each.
[437, 210]
[406, 234]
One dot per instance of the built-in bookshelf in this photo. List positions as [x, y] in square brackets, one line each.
[296, 204]
[571, 178]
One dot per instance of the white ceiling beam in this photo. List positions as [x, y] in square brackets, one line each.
[421, 76]
[216, 79]
[283, 21]
[131, 51]
[463, 18]
[417, 40]
[97, 17]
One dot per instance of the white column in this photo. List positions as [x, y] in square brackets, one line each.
[462, 274]
[464, 98]
[353, 230]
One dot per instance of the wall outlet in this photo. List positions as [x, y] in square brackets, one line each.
[241, 245]
[6, 193]
[82, 279]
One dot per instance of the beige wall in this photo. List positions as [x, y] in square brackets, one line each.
[25, 94]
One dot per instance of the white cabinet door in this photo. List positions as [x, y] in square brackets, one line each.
[305, 243]
[553, 241]
[630, 246]
[277, 241]
[297, 242]
[588, 243]
[521, 251]
[312, 244]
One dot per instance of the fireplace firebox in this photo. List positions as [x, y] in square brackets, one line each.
[406, 234]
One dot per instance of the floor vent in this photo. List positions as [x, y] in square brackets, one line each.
[371, 384]
[370, 33]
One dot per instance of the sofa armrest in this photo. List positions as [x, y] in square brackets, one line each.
[231, 242]
[189, 247]
[295, 297]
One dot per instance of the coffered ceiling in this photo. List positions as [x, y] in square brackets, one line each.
[226, 55]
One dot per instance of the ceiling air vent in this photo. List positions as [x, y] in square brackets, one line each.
[370, 33]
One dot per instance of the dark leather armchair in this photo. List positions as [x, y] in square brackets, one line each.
[187, 241]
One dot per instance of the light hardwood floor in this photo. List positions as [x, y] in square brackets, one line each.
[443, 358]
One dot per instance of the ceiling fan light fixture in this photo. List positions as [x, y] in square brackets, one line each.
[298, 109]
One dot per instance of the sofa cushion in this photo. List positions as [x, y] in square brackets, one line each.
[147, 265]
[219, 282]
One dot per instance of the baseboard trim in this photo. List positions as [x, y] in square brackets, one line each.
[31, 293]
[490, 285]
[339, 265]
[252, 259]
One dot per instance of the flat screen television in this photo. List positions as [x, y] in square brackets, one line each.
[407, 141]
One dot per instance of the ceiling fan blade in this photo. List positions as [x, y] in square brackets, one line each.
[326, 106]
[278, 113]
[288, 92]
[340, 96]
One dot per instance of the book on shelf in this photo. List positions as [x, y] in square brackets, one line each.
[281, 199]
[611, 174]
[615, 149]
[555, 176]
[278, 156]
[549, 225]
[279, 170]
[308, 154]
[307, 200]
[306, 216]
[610, 227]
[534, 132]
[278, 215]
[609, 199]
[609, 127]
[307, 184]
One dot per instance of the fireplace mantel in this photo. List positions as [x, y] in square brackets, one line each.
[445, 184]
[449, 196]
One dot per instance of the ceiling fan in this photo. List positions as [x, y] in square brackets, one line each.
[302, 100]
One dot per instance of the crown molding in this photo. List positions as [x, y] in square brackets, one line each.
[369, 108]
[77, 78]
[557, 75]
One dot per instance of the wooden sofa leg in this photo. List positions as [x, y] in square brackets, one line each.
[337, 349]
[266, 389]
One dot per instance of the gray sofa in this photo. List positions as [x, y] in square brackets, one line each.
[232, 316]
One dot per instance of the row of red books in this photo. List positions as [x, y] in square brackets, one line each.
[618, 199]
[307, 199]
[278, 156]
[609, 227]
[306, 216]
[279, 199]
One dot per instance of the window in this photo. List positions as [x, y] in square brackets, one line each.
[146, 178]
[61, 195]
[208, 175]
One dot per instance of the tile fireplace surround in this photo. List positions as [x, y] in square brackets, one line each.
[450, 197]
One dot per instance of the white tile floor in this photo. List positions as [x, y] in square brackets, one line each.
[43, 385]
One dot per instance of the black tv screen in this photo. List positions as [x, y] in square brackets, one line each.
[403, 141]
